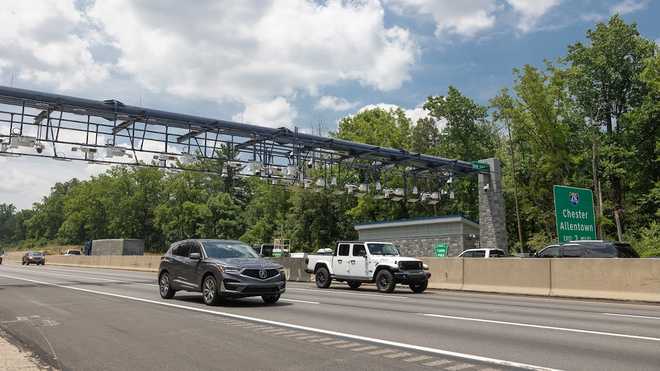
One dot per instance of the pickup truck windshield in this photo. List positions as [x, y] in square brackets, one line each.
[382, 249]
[224, 250]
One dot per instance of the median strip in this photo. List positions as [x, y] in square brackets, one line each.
[397, 344]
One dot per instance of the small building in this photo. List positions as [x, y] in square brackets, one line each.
[433, 236]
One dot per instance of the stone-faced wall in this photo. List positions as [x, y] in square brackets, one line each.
[492, 213]
[426, 246]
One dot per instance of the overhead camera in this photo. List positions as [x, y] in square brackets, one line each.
[39, 147]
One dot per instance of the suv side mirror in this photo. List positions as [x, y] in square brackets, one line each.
[195, 256]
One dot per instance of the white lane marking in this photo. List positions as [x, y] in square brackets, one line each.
[637, 337]
[398, 355]
[57, 273]
[368, 347]
[335, 342]
[381, 351]
[349, 345]
[458, 367]
[397, 344]
[417, 359]
[630, 315]
[437, 363]
[349, 294]
[301, 301]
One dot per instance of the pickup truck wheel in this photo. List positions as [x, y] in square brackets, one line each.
[419, 288]
[385, 281]
[354, 284]
[323, 279]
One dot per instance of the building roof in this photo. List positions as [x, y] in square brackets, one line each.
[417, 221]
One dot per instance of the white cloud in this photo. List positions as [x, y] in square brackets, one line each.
[255, 50]
[48, 44]
[414, 114]
[27, 180]
[628, 6]
[274, 113]
[531, 11]
[464, 18]
[329, 102]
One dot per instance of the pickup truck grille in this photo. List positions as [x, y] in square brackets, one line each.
[254, 273]
[410, 266]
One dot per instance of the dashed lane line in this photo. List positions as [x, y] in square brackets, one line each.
[630, 315]
[344, 335]
[565, 329]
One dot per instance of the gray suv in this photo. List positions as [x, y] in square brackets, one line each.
[219, 269]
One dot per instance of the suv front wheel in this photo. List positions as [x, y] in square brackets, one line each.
[270, 299]
[165, 286]
[210, 291]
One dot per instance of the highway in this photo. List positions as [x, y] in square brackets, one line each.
[101, 319]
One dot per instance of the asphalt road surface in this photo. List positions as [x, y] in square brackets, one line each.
[100, 319]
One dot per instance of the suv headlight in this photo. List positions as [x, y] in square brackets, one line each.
[282, 272]
[425, 266]
[227, 268]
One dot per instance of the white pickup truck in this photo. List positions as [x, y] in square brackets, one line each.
[364, 261]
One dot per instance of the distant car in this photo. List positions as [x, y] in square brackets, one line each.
[33, 257]
[482, 253]
[219, 269]
[589, 249]
[72, 253]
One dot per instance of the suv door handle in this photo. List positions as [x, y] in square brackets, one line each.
[339, 261]
[352, 261]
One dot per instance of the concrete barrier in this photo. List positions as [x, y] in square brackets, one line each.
[507, 275]
[446, 273]
[294, 269]
[622, 279]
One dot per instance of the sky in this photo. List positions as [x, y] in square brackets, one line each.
[278, 63]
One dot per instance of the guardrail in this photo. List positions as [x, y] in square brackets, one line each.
[618, 279]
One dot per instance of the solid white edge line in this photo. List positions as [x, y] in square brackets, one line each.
[630, 315]
[302, 328]
[614, 334]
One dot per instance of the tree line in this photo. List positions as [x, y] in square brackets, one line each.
[588, 119]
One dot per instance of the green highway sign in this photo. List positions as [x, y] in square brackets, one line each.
[480, 166]
[574, 213]
[441, 250]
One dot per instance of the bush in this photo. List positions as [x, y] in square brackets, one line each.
[647, 241]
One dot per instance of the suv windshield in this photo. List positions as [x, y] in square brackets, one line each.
[35, 254]
[382, 249]
[228, 250]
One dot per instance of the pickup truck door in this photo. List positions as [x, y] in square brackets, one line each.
[341, 261]
[358, 261]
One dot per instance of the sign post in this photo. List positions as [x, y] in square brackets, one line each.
[574, 213]
[441, 250]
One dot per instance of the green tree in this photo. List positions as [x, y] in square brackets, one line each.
[605, 78]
